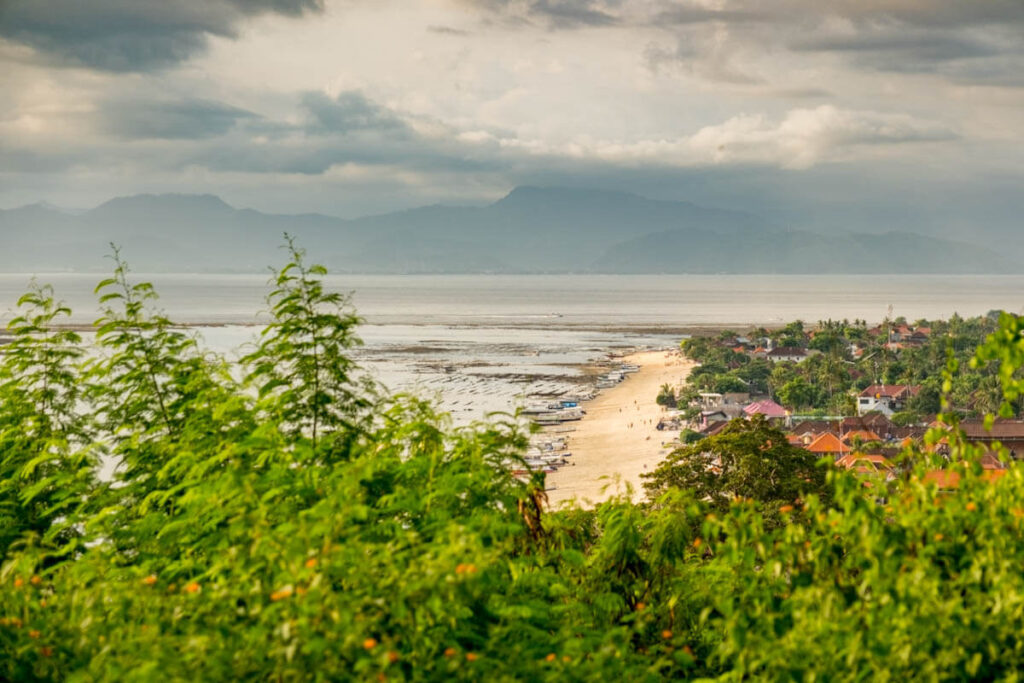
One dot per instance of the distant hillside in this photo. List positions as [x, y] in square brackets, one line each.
[530, 230]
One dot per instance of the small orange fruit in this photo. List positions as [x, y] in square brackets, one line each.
[551, 657]
[697, 542]
[149, 580]
[369, 643]
[393, 656]
[310, 563]
[46, 651]
[786, 509]
[971, 507]
[640, 606]
[18, 582]
[35, 580]
[471, 657]
[938, 537]
[33, 633]
[449, 652]
[666, 634]
[192, 587]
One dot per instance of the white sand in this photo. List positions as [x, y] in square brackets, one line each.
[618, 441]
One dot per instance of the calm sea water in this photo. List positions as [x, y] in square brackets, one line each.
[575, 301]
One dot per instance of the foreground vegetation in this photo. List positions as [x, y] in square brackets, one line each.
[288, 522]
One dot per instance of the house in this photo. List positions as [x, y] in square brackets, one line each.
[711, 400]
[721, 413]
[872, 422]
[828, 443]
[768, 408]
[1009, 433]
[786, 354]
[885, 399]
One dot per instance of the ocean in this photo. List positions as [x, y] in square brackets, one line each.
[482, 343]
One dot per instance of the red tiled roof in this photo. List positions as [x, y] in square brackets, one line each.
[948, 479]
[890, 391]
[827, 443]
[1001, 429]
[862, 434]
[766, 408]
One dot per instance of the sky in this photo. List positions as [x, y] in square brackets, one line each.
[846, 114]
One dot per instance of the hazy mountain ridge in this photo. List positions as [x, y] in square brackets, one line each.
[530, 230]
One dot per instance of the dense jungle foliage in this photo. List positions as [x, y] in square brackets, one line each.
[283, 519]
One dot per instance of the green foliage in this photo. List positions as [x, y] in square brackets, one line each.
[749, 460]
[290, 521]
[666, 396]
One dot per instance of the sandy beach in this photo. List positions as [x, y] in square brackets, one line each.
[618, 441]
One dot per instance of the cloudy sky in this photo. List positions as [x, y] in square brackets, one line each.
[872, 114]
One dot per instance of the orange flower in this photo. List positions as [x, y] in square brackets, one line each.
[35, 580]
[281, 593]
[786, 509]
[369, 643]
[393, 656]
[33, 633]
[666, 634]
[192, 587]
[310, 563]
[551, 657]
[449, 652]
[471, 657]
[149, 580]
[971, 507]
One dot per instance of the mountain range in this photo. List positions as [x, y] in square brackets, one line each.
[531, 230]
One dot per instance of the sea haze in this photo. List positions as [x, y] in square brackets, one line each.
[531, 230]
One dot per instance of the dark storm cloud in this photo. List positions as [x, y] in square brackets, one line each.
[131, 35]
[187, 119]
[349, 111]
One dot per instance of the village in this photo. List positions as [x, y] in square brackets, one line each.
[827, 389]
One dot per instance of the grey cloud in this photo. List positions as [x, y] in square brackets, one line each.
[169, 119]
[555, 14]
[131, 35]
[349, 111]
[447, 30]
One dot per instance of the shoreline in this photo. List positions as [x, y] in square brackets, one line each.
[617, 440]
